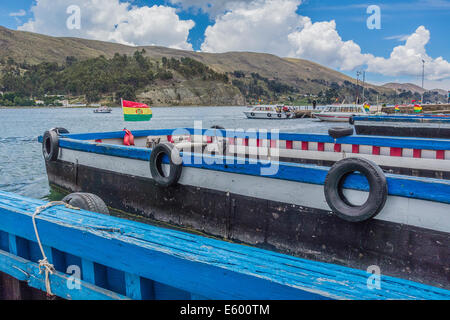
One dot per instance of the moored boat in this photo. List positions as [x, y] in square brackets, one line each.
[352, 213]
[103, 109]
[269, 112]
[340, 113]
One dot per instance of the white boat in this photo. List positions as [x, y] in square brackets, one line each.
[340, 113]
[269, 112]
[103, 110]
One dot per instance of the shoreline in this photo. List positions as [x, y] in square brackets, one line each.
[115, 107]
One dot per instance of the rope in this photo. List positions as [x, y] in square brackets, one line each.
[44, 265]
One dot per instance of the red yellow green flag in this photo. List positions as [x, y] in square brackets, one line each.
[135, 111]
[417, 108]
[397, 108]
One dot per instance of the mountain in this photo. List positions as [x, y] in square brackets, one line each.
[405, 87]
[302, 76]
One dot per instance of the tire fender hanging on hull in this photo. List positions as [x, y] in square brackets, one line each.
[339, 203]
[156, 165]
[50, 143]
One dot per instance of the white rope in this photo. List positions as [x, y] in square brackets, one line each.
[44, 265]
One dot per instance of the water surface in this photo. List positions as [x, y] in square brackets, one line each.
[22, 167]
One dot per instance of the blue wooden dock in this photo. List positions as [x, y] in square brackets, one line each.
[123, 259]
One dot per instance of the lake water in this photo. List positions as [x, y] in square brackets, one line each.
[22, 167]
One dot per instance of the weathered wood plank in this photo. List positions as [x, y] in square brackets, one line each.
[199, 265]
[133, 286]
[24, 270]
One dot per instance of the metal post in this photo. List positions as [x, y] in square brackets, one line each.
[364, 83]
[423, 78]
[358, 73]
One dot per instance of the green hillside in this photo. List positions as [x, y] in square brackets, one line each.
[249, 76]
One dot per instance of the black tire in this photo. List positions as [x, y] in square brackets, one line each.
[87, 201]
[339, 132]
[351, 120]
[61, 131]
[279, 115]
[269, 115]
[156, 165]
[252, 114]
[50, 145]
[334, 191]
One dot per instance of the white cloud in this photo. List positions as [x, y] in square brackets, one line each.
[112, 20]
[399, 37]
[19, 13]
[321, 42]
[273, 26]
[407, 59]
[212, 7]
[261, 26]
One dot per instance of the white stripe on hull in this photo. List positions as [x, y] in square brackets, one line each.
[414, 212]
[423, 163]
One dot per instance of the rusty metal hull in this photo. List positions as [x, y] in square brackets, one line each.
[400, 250]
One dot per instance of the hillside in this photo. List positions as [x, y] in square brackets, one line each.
[404, 87]
[431, 96]
[295, 77]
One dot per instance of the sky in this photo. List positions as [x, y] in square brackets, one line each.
[389, 39]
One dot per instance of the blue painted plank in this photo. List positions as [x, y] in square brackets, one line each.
[18, 246]
[209, 267]
[133, 286]
[101, 148]
[87, 271]
[4, 241]
[24, 270]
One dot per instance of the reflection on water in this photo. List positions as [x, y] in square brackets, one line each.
[22, 169]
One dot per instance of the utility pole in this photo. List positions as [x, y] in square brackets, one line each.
[364, 84]
[358, 73]
[423, 79]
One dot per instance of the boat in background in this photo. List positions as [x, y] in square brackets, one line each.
[340, 113]
[405, 125]
[103, 109]
[269, 112]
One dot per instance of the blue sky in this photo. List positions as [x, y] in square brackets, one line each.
[353, 42]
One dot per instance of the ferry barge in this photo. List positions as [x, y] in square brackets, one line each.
[246, 187]
[425, 126]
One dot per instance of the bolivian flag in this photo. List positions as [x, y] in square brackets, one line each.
[417, 108]
[135, 111]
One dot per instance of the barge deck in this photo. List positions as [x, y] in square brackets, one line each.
[123, 259]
